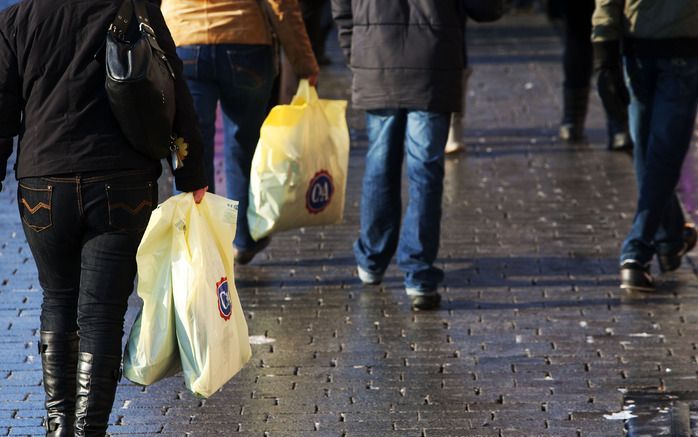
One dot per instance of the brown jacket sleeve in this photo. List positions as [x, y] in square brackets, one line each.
[287, 22]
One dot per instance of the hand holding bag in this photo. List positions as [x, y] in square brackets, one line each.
[140, 83]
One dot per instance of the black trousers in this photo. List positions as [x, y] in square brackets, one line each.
[313, 11]
[578, 54]
[83, 231]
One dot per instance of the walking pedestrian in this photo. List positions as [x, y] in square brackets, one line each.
[407, 58]
[228, 56]
[659, 44]
[84, 195]
[578, 68]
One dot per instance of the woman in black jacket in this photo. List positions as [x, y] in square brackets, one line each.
[85, 195]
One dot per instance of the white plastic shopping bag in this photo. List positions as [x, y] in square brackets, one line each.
[299, 170]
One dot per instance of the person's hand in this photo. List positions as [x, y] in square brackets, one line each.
[313, 79]
[199, 194]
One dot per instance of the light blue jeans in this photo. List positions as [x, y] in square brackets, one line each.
[663, 99]
[421, 137]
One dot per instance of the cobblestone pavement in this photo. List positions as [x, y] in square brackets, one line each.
[534, 337]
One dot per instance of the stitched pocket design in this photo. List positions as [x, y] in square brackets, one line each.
[130, 206]
[35, 204]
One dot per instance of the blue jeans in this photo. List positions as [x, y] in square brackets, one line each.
[663, 99]
[83, 231]
[240, 77]
[392, 134]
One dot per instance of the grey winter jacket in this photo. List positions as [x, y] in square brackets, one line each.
[408, 53]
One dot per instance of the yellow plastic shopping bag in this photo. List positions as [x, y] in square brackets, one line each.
[210, 325]
[151, 351]
[299, 170]
[191, 318]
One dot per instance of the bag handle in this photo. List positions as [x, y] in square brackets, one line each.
[119, 27]
[305, 94]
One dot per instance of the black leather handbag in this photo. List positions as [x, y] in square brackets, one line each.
[140, 82]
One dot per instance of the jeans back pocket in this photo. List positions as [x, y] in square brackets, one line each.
[35, 206]
[130, 205]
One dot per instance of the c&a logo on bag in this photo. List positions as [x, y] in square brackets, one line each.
[225, 308]
[320, 191]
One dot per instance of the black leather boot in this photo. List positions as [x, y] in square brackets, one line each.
[59, 357]
[97, 380]
[575, 104]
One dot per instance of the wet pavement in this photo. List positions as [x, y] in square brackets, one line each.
[534, 338]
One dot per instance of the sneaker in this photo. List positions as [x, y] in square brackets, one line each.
[636, 277]
[423, 300]
[619, 142]
[368, 278]
[572, 133]
[244, 256]
[671, 262]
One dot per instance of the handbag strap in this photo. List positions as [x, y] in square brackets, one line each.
[120, 25]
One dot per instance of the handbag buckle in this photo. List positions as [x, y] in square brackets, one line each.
[146, 29]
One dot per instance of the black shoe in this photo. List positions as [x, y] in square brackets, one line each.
[425, 302]
[244, 256]
[635, 277]
[96, 380]
[59, 362]
[671, 262]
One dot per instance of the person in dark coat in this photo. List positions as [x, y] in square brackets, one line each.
[407, 58]
[85, 194]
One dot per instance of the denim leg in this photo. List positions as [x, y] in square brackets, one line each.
[666, 90]
[198, 69]
[50, 219]
[245, 74]
[419, 241]
[83, 232]
[115, 214]
[381, 206]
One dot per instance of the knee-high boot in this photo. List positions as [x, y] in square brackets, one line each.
[59, 357]
[97, 378]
